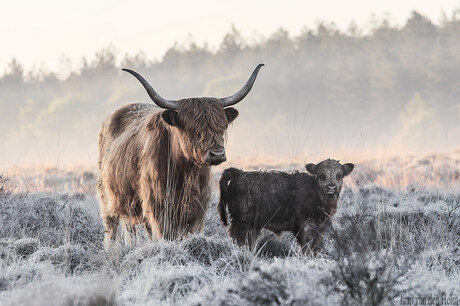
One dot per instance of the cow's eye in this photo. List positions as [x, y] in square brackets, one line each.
[322, 177]
[339, 176]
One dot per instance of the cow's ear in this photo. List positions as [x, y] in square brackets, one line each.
[347, 168]
[311, 168]
[171, 117]
[231, 113]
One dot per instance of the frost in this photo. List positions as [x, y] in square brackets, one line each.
[387, 242]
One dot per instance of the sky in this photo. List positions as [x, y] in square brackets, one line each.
[41, 34]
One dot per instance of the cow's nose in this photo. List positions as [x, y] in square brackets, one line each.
[217, 153]
[332, 187]
[217, 156]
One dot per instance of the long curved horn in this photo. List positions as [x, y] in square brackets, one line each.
[243, 91]
[163, 103]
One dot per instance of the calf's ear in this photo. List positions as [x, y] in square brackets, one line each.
[171, 117]
[347, 168]
[311, 168]
[231, 113]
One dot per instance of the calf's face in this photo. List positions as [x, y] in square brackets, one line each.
[329, 175]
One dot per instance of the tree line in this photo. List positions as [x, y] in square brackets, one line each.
[322, 90]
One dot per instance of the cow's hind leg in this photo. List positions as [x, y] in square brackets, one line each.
[110, 225]
[109, 219]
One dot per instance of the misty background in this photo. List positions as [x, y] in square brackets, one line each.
[384, 90]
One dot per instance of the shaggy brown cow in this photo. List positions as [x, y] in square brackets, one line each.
[154, 166]
[297, 202]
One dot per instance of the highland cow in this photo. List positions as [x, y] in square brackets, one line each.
[154, 165]
[297, 202]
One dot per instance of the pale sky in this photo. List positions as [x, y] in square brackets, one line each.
[40, 33]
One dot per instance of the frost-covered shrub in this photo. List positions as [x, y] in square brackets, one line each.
[6, 188]
[368, 279]
[53, 220]
[161, 252]
[56, 290]
[269, 245]
[98, 299]
[68, 258]
[354, 233]
[212, 224]
[264, 287]
[206, 250]
[25, 247]
[17, 274]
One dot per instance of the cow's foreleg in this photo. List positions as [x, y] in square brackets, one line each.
[148, 229]
[130, 232]
[152, 228]
[196, 222]
[151, 222]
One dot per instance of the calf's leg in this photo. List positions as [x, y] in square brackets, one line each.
[304, 238]
[318, 238]
[244, 234]
[311, 236]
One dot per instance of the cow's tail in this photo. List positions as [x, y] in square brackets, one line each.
[227, 175]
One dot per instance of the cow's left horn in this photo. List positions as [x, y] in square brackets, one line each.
[243, 91]
[163, 103]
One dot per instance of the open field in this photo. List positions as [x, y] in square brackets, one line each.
[396, 239]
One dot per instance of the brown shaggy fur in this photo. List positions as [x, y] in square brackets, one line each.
[153, 169]
[297, 202]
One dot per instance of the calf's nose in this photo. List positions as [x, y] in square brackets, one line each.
[331, 189]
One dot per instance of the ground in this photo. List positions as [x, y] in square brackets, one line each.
[396, 240]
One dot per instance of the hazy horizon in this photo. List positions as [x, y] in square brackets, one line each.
[324, 92]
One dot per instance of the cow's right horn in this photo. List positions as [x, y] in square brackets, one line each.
[228, 101]
[156, 98]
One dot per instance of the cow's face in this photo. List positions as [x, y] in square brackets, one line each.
[201, 124]
[329, 175]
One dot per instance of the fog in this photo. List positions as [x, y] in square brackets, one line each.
[323, 93]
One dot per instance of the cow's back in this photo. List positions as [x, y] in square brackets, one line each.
[123, 122]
